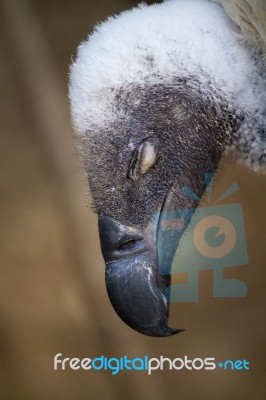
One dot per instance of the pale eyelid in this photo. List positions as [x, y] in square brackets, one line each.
[148, 157]
[143, 158]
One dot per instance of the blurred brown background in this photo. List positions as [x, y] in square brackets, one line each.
[52, 291]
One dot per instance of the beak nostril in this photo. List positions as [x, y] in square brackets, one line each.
[118, 240]
[129, 244]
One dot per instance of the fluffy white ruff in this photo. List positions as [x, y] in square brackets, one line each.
[182, 38]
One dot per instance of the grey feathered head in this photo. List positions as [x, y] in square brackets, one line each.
[157, 95]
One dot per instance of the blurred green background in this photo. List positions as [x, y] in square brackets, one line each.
[52, 292]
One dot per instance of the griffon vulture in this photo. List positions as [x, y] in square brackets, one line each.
[158, 94]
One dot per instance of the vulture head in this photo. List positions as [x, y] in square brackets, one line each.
[158, 95]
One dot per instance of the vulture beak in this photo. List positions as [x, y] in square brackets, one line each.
[134, 284]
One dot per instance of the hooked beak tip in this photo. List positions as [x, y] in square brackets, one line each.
[164, 332]
[172, 331]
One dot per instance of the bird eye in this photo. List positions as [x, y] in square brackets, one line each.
[143, 159]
